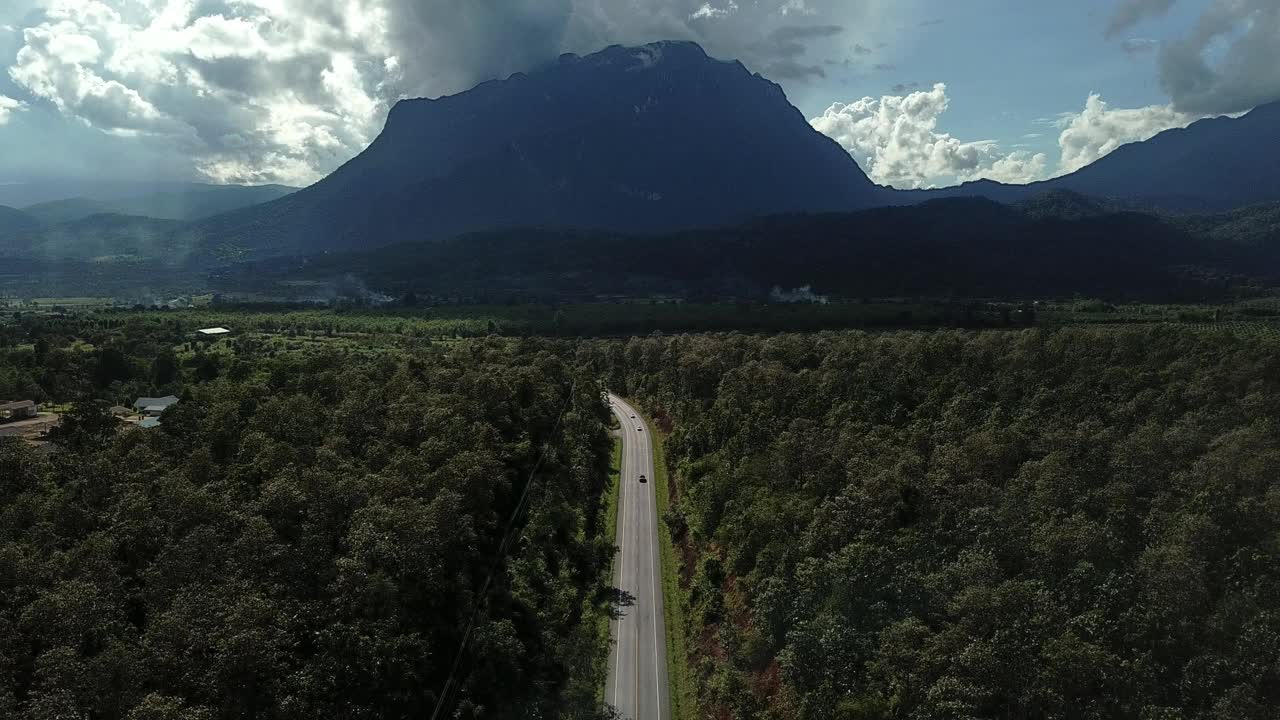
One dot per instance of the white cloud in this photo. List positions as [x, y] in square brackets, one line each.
[1099, 129]
[250, 90]
[1016, 168]
[896, 141]
[708, 11]
[796, 7]
[7, 107]
[287, 90]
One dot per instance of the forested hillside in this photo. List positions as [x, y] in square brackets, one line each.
[307, 535]
[1072, 524]
[1057, 245]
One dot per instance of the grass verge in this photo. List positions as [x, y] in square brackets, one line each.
[610, 522]
[683, 699]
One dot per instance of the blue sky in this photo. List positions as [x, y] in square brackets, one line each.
[921, 92]
[1007, 64]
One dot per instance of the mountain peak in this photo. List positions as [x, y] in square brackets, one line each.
[651, 138]
[639, 57]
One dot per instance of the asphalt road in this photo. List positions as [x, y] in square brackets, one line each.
[637, 685]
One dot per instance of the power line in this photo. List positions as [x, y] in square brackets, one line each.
[450, 684]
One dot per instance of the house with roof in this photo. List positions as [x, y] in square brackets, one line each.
[154, 407]
[20, 410]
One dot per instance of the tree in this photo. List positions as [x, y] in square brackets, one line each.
[112, 366]
[88, 425]
[164, 369]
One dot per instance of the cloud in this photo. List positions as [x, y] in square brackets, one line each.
[796, 7]
[1016, 168]
[287, 90]
[860, 49]
[780, 51]
[246, 97]
[7, 107]
[896, 141]
[1229, 62]
[1134, 47]
[1099, 129]
[708, 12]
[1131, 12]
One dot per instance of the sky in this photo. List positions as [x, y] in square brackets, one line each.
[922, 93]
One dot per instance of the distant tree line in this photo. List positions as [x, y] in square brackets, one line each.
[954, 248]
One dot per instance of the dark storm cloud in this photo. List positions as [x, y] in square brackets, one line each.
[1229, 61]
[1131, 12]
[779, 53]
[1240, 77]
[789, 70]
[450, 45]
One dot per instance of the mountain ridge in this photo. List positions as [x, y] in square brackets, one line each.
[1057, 246]
[187, 203]
[1215, 164]
[647, 139]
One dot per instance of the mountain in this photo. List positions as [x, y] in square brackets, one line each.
[959, 247]
[41, 190]
[1216, 164]
[14, 220]
[1066, 205]
[644, 139]
[189, 201]
[97, 237]
[66, 210]
[195, 202]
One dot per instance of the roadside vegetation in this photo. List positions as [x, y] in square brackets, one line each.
[305, 535]
[610, 525]
[1074, 523]
[892, 524]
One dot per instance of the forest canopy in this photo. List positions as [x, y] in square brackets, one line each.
[1030, 524]
[1070, 523]
[307, 536]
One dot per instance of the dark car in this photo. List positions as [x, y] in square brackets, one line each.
[643, 479]
[639, 429]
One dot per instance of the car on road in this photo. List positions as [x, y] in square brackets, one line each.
[633, 417]
[643, 479]
[639, 429]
